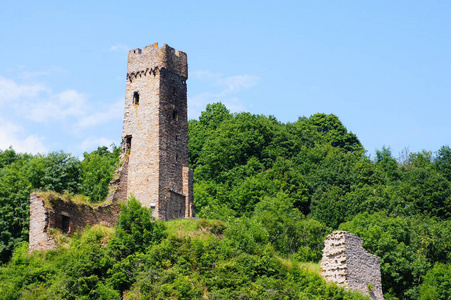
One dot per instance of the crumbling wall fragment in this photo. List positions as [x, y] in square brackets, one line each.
[49, 212]
[348, 264]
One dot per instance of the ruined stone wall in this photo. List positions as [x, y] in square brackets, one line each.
[118, 186]
[39, 239]
[52, 213]
[346, 263]
[155, 133]
[188, 191]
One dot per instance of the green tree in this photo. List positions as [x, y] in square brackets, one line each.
[335, 133]
[97, 171]
[289, 231]
[200, 130]
[437, 283]
[443, 161]
[14, 208]
[56, 171]
[136, 229]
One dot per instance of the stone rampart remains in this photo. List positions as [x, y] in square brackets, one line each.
[346, 263]
[154, 159]
[51, 212]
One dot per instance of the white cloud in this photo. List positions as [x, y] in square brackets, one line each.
[63, 118]
[204, 75]
[42, 105]
[229, 89]
[120, 48]
[112, 112]
[237, 83]
[10, 90]
[58, 107]
[32, 74]
[9, 137]
[91, 143]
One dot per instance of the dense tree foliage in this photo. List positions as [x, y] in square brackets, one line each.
[275, 189]
[275, 174]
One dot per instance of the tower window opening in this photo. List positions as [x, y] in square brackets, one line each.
[136, 98]
[128, 143]
[175, 115]
[65, 223]
[173, 91]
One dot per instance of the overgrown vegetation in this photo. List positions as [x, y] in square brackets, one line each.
[271, 193]
[140, 261]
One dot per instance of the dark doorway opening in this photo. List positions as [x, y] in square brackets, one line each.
[65, 226]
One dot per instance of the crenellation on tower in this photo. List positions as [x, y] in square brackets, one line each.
[151, 60]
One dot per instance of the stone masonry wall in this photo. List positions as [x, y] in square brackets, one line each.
[155, 132]
[52, 212]
[118, 186]
[40, 239]
[346, 263]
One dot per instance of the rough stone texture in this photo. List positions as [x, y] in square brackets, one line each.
[118, 186]
[68, 217]
[346, 263]
[155, 132]
[39, 224]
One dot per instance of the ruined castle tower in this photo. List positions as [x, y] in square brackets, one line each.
[154, 160]
[155, 132]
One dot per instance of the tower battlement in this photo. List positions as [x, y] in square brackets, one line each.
[152, 59]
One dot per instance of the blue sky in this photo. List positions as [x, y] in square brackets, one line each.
[383, 67]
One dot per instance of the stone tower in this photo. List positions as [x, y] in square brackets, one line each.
[155, 133]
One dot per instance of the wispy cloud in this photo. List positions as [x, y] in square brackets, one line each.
[226, 89]
[11, 90]
[119, 48]
[58, 107]
[235, 84]
[25, 74]
[91, 143]
[204, 75]
[68, 112]
[45, 106]
[103, 116]
[10, 136]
